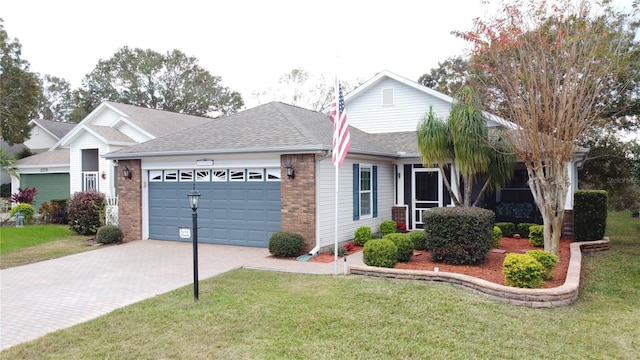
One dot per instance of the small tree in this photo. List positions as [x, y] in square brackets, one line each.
[552, 65]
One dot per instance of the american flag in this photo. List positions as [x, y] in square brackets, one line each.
[341, 137]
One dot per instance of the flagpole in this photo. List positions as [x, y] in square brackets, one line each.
[336, 127]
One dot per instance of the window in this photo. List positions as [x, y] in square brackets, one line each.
[365, 191]
[155, 175]
[219, 175]
[273, 174]
[236, 175]
[255, 174]
[186, 175]
[202, 175]
[171, 175]
[387, 97]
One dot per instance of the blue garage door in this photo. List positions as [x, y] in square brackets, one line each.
[237, 207]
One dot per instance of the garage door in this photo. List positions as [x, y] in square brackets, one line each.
[237, 207]
[50, 187]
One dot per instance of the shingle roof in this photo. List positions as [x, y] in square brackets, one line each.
[54, 157]
[158, 122]
[58, 128]
[270, 127]
[111, 134]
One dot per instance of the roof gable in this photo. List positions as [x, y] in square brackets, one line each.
[57, 129]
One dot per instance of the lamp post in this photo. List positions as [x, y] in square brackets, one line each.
[194, 196]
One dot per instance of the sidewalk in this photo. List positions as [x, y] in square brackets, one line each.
[40, 298]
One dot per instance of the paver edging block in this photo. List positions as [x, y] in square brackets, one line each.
[559, 296]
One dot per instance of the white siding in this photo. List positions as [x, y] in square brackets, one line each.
[88, 141]
[40, 140]
[326, 200]
[106, 117]
[367, 113]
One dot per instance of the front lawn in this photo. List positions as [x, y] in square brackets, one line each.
[247, 314]
[29, 244]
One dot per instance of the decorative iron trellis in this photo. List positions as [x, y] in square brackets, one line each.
[111, 214]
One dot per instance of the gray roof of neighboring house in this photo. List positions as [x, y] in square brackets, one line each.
[274, 126]
[159, 122]
[54, 157]
[58, 128]
[110, 134]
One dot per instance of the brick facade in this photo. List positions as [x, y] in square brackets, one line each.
[399, 214]
[130, 200]
[298, 197]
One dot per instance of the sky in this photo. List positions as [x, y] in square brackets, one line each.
[250, 44]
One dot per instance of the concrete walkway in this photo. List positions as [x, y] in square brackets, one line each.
[40, 298]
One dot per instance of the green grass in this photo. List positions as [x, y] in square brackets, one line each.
[29, 244]
[247, 314]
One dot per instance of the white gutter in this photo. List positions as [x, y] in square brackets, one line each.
[315, 250]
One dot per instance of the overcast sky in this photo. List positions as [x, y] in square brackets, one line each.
[249, 43]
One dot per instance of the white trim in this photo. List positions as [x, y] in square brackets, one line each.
[414, 221]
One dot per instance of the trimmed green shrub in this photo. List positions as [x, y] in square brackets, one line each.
[341, 251]
[459, 235]
[523, 271]
[589, 214]
[523, 229]
[548, 261]
[86, 211]
[507, 228]
[362, 235]
[286, 244]
[109, 234]
[419, 239]
[388, 227]
[26, 210]
[536, 235]
[404, 244]
[496, 238]
[377, 235]
[380, 253]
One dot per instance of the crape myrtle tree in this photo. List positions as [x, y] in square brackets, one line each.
[172, 82]
[465, 142]
[551, 63]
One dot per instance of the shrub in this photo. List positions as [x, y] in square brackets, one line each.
[496, 238]
[24, 209]
[24, 196]
[377, 235]
[54, 213]
[342, 250]
[380, 253]
[548, 261]
[459, 235]
[404, 244]
[86, 211]
[536, 235]
[507, 228]
[109, 234]
[522, 270]
[388, 227]
[362, 235]
[589, 214]
[286, 244]
[419, 239]
[523, 229]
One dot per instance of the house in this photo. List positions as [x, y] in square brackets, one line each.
[73, 159]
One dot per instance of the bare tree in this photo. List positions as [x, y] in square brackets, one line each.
[551, 62]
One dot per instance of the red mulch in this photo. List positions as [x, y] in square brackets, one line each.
[490, 269]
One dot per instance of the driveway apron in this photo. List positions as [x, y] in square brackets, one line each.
[43, 297]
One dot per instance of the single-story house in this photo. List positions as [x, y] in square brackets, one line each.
[73, 158]
[238, 163]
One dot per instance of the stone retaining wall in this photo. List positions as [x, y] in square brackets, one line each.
[536, 298]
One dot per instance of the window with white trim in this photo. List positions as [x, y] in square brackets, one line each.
[219, 175]
[255, 174]
[236, 175]
[273, 174]
[202, 175]
[155, 175]
[366, 195]
[171, 175]
[186, 175]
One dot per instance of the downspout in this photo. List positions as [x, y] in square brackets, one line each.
[315, 250]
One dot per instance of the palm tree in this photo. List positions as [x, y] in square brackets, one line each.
[465, 142]
[7, 163]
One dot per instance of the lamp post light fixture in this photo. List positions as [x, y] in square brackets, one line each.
[194, 197]
[291, 173]
[126, 173]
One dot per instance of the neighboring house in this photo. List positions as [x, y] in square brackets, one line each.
[73, 161]
[11, 150]
[238, 163]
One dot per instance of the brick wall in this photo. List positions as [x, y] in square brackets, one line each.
[298, 197]
[130, 200]
[399, 214]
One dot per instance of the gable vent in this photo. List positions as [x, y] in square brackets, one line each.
[387, 97]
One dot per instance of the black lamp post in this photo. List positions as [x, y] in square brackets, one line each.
[194, 196]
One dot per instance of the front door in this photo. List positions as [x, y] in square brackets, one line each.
[427, 193]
